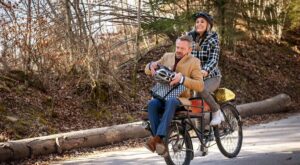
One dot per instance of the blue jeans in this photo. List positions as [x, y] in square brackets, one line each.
[161, 114]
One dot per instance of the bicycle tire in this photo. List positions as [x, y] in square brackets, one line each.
[225, 132]
[179, 142]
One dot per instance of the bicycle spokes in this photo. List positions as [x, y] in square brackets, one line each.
[179, 146]
[229, 133]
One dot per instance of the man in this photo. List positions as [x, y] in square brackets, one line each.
[188, 73]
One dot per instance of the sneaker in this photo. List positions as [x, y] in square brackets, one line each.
[217, 118]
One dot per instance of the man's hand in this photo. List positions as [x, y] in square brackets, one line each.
[153, 66]
[176, 79]
[204, 73]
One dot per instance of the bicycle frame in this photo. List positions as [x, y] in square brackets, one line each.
[188, 123]
[187, 117]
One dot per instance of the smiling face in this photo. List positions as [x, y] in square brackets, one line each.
[201, 25]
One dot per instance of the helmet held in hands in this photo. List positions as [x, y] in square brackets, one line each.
[164, 75]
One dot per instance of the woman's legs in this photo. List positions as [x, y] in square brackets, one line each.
[210, 85]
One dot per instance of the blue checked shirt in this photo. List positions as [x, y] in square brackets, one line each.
[208, 53]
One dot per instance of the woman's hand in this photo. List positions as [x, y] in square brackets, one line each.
[204, 73]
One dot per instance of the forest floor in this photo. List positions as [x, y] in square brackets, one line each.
[254, 71]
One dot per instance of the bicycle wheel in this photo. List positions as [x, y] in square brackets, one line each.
[180, 147]
[229, 134]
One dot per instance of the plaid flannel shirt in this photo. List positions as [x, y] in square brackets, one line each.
[208, 53]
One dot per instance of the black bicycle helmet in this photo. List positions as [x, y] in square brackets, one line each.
[164, 75]
[204, 15]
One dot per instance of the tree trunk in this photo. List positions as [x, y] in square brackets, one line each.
[27, 61]
[274, 104]
[58, 143]
[70, 36]
[52, 9]
[137, 56]
[3, 57]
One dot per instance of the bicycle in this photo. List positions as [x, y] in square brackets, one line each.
[228, 135]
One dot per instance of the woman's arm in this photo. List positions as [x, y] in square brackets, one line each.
[213, 55]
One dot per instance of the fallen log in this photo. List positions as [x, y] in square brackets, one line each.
[27, 148]
[58, 143]
[274, 104]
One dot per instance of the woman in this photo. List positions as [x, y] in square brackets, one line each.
[206, 48]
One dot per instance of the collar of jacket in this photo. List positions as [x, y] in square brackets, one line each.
[208, 35]
[183, 59]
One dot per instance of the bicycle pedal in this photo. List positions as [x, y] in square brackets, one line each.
[204, 149]
[206, 132]
[199, 153]
[211, 138]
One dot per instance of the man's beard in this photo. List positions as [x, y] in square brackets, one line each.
[178, 55]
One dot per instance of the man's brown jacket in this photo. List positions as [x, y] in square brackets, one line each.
[190, 67]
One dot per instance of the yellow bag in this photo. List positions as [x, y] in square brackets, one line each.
[224, 95]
